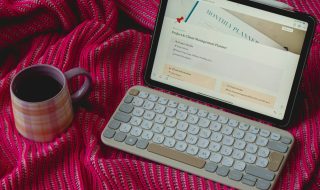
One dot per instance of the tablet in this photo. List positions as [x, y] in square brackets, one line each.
[241, 56]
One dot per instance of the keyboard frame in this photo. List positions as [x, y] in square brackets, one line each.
[144, 153]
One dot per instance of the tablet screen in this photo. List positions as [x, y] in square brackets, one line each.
[230, 52]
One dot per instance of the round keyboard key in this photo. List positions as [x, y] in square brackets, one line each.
[227, 130]
[137, 102]
[216, 157]
[170, 112]
[238, 134]
[263, 152]
[192, 110]
[148, 105]
[235, 175]
[180, 135]
[181, 146]
[204, 154]
[203, 143]
[157, 128]
[142, 144]
[233, 123]
[223, 119]
[202, 113]
[135, 121]
[261, 141]
[225, 150]
[149, 115]
[215, 147]
[205, 133]
[239, 144]
[227, 140]
[238, 154]
[192, 119]
[172, 104]
[275, 136]
[223, 171]
[136, 131]
[211, 167]
[244, 126]
[217, 137]
[160, 119]
[203, 122]
[138, 112]
[163, 101]
[193, 150]
[182, 107]
[181, 115]
[250, 137]
[182, 126]
[227, 161]
[254, 130]
[215, 126]
[143, 94]
[250, 158]
[169, 132]
[192, 139]
[262, 162]
[251, 148]
[193, 129]
[213, 116]
[109, 133]
[159, 108]
[146, 124]
[286, 140]
[128, 99]
[239, 165]
[169, 142]
[131, 140]
[153, 97]
[263, 184]
[147, 135]
[171, 122]
[158, 138]
[264, 133]
[125, 128]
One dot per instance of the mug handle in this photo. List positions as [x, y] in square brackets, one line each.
[79, 94]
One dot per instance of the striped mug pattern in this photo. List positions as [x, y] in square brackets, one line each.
[42, 121]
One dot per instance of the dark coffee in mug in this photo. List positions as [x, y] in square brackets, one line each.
[41, 101]
[36, 87]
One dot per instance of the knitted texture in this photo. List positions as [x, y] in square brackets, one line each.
[111, 39]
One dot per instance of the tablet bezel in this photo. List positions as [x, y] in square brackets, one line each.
[242, 111]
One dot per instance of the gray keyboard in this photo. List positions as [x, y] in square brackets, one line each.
[198, 139]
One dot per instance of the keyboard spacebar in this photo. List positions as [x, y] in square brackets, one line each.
[175, 155]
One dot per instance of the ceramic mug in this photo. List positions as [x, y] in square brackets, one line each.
[41, 101]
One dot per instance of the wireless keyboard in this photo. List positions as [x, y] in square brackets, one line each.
[198, 139]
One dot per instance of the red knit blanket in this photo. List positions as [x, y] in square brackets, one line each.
[111, 39]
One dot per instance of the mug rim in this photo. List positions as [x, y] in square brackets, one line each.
[31, 67]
